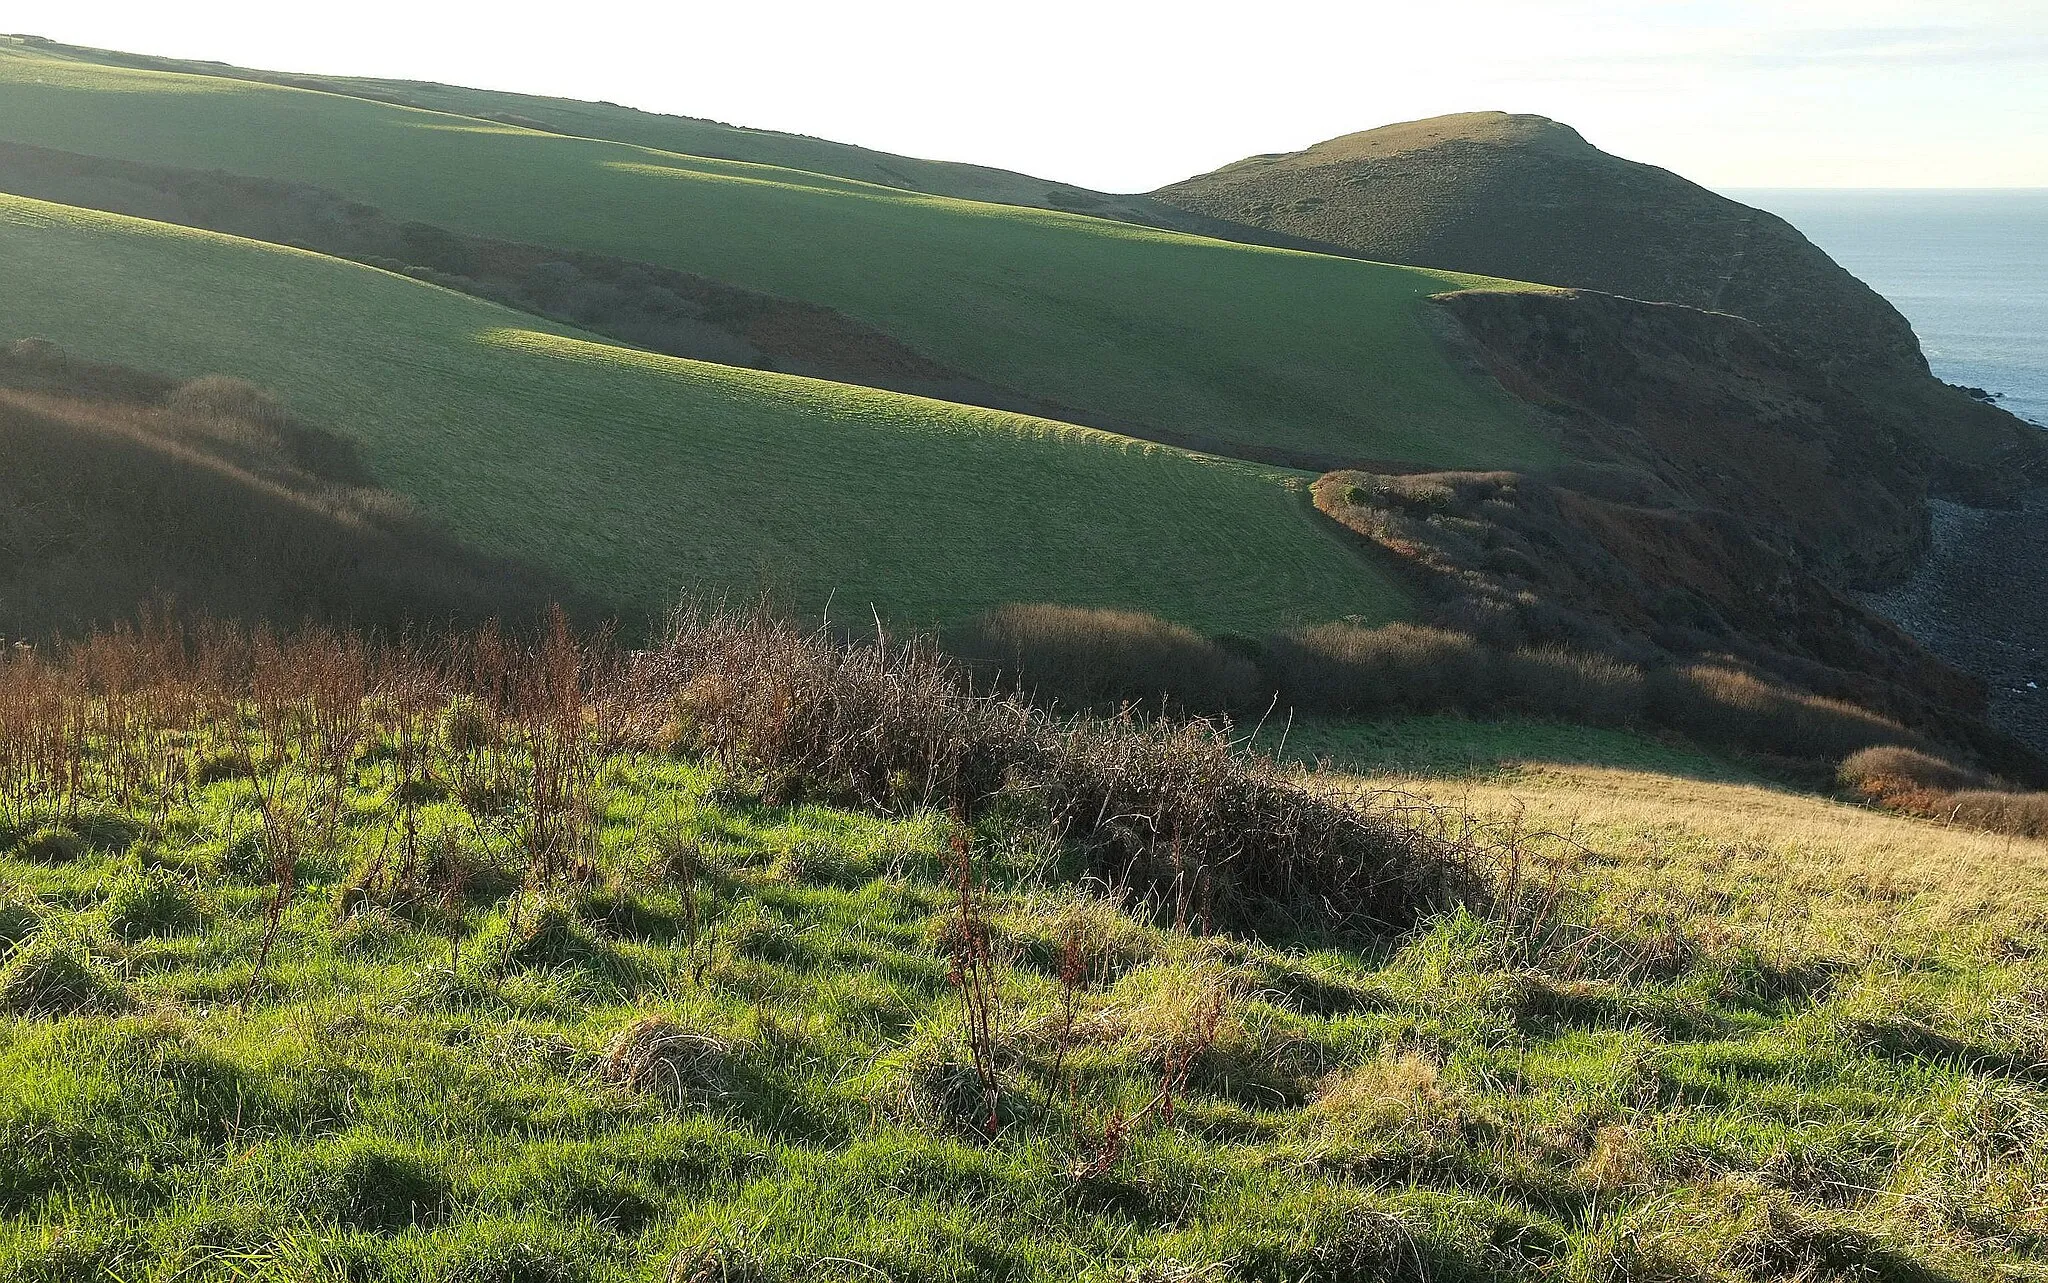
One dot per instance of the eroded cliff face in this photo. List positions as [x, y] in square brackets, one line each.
[1701, 409]
[1728, 499]
[1529, 199]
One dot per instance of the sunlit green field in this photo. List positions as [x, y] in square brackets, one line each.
[1126, 325]
[687, 134]
[638, 476]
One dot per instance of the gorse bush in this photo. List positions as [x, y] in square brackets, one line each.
[1343, 669]
[1378, 672]
[1412, 668]
[1879, 773]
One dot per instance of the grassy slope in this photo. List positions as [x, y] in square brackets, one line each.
[691, 135]
[640, 475]
[1126, 324]
[1735, 1074]
[1755, 861]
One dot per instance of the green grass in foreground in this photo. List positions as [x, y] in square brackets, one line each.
[1629, 1087]
[1129, 325]
[637, 476]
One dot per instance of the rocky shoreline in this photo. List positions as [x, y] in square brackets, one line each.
[1980, 601]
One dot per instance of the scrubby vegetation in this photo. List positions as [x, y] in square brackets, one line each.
[1920, 784]
[763, 956]
[765, 950]
[1110, 659]
[1092, 658]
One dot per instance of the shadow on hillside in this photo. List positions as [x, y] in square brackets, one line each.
[124, 489]
[1441, 747]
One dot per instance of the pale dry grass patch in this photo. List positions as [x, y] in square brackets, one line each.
[1750, 860]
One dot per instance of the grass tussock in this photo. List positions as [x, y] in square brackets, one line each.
[56, 979]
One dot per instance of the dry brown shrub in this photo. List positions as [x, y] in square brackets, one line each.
[1722, 704]
[1397, 668]
[1085, 657]
[1172, 810]
[2020, 814]
[1905, 779]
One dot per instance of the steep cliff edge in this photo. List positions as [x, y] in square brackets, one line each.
[1527, 198]
[1705, 410]
[1726, 495]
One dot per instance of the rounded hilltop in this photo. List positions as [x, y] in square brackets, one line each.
[1527, 198]
[1497, 128]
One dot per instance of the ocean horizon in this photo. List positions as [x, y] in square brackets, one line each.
[1968, 267]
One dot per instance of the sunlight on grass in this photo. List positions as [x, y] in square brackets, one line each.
[641, 476]
[1127, 324]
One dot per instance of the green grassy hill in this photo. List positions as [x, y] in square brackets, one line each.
[1130, 326]
[696, 136]
[637, 475]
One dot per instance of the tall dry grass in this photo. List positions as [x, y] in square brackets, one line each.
[1924, 785]
[1170, 811]
[1090, 657]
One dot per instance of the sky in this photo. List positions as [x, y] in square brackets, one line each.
[1126, 96]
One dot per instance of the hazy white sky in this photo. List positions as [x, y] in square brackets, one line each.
[1125, 96]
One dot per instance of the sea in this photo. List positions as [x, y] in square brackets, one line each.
[1968, 268]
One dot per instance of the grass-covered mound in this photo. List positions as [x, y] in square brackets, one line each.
[389, 982]
[632, 476]
[1128, 325]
